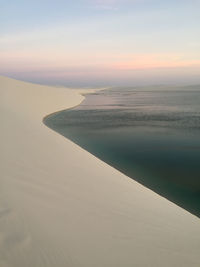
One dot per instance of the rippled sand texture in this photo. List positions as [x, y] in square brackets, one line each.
[61, 206]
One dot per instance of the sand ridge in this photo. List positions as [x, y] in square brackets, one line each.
[61, 206]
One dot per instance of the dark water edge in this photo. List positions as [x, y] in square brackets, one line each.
[157, 147]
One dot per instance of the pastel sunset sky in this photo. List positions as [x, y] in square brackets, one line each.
[101, 42]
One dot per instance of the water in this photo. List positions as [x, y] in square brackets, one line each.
[150, 134]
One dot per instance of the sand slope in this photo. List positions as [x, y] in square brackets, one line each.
[62, 207]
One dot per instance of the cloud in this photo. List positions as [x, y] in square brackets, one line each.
[107, 4]
[104, 7]
[152, 61]
[112, 5]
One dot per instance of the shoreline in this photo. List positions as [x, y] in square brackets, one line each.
[61, 206]
[78, 124]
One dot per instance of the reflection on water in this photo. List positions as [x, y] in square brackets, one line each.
[150, 134]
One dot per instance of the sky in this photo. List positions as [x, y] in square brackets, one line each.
[101, 42]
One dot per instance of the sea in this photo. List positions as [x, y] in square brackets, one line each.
[151, 134]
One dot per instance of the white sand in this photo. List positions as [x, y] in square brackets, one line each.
[62, 207]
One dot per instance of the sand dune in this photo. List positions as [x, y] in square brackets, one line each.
[62, 207]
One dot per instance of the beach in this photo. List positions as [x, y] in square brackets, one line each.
[61, 206]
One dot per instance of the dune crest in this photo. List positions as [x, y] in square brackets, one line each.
[61, 206]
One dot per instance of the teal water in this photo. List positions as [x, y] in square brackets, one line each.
[150, 134]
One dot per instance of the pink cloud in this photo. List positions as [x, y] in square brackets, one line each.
[150, 61]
